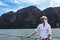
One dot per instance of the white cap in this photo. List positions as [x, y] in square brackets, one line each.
[44, 17]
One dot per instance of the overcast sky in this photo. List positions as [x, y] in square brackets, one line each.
[13, 5]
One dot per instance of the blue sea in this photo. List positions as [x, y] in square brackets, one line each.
[20, 34]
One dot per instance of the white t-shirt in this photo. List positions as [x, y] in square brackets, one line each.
[44, 31]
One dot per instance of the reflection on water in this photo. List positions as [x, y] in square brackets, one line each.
[19, 34]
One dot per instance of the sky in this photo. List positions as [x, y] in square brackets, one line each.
[14, 5]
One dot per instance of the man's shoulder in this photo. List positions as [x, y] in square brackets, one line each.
[48, 24]
[40, 24]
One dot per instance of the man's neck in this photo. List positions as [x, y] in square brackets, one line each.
[44, 24]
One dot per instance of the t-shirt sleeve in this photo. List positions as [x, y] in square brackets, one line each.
[49, 30]
[37, 29]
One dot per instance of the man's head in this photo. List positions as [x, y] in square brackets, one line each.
[43, 18]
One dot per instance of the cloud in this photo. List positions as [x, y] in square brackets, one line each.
[54, 3]
[38, 2]
[15, 1]
[25, 1]
[33, 2]
[1, 3]
[41, 4]
[21, 7]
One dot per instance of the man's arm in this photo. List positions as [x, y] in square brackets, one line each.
[34, 32]
[49, 32]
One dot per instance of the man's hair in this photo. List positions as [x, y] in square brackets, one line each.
[44, 17]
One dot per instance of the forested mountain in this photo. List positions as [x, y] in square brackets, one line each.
[29, 17]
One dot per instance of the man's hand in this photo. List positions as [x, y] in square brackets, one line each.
[28, 36]
[49, 37]
[31, 34]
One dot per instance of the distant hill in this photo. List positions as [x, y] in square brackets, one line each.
[29, 17]
[53, 15]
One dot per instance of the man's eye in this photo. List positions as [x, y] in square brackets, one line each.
[42, 18]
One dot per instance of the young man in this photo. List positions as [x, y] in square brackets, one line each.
[44, 29]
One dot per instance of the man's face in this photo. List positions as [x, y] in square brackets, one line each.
[42, 20]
